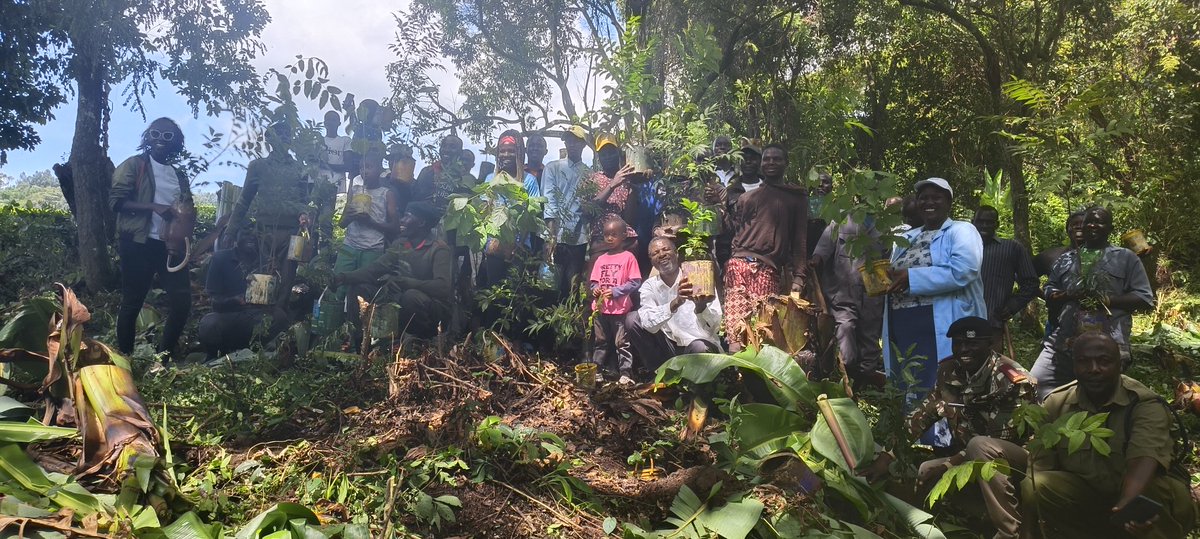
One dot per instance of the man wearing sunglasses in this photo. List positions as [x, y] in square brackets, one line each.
[143, 190]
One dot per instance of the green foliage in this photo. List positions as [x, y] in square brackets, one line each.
[862, 196]
[960, 476]
[696, 518]
[697, 230]
[784, 378]
[499, 209]
[566, 320]
[37, 247]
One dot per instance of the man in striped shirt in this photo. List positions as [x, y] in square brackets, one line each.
[1005, 262]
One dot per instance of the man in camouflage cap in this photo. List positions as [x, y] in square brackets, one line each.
[977, 392]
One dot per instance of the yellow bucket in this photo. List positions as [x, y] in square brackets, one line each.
[585, 375]
[1135, 240]
[876, 279]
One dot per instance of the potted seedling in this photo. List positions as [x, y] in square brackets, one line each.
[863, 199]
[698, 267]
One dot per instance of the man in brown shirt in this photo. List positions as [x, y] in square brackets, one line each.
[771, 230]
[1076, 493]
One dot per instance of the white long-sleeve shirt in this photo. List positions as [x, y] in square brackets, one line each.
[682, 326]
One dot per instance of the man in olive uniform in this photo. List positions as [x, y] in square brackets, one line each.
[1077, 493]
[275, 196]
[977, 392]
[414, 273]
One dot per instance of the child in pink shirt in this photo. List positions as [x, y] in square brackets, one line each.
[615, 277]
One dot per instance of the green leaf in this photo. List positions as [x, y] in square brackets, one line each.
[1094, 421]
[189, 526]
[13, 410]
[1100, 445]
[32, 431]
[1075, 441]
[784, 378]
[735, 519]
[610, 525]
[920, 521]
[855, 428]
[30, 326]
[64, 492]
[278, 519]
[760, 424]
[1076, 420]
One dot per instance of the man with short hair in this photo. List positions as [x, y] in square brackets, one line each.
[1005, 262]
[233, 324]
[672, 319]
[414, 273]
[976, 392]
[1077, 493]
[721, 147]
[770, 236]
[567, 233]
[535, 153]
[1100, 286]
[746, 180]
[331, 179]
[438, 181]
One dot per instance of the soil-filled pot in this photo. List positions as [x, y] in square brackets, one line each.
[359, 203]
[1135, 240]
[875, 277]
[385, 321]
[299, 248]
[260, 289]
[585, 375]
[328, 313]
[702, 275]
[639, 157]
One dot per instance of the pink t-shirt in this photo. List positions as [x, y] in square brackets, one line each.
[611, 271]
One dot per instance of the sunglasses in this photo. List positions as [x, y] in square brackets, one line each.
[155, 134]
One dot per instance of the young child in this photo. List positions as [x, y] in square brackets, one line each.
[615, 276]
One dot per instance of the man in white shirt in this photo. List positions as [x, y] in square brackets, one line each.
[567, 233]
[672, 320]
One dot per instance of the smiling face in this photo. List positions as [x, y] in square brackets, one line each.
[1075, 230]
[986, 221]
[163, 139]
[971, 353]
[664, 257]
[1097, 366]
[774, 163]
[934, 204]
[506, 157]
[450, 150]
[1097, 227]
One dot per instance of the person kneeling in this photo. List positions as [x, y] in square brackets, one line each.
[414, 273]
[1082, 493]
[977, 392]
[233, 324]
[672, 319]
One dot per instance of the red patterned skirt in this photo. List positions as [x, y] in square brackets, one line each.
[747, 284]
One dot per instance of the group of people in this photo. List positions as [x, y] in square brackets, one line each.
[937, 332]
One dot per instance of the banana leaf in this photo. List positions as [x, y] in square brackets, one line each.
[29, 327]
[13, 410]
[282, 521]
[761, 428]
[114, 422]
[853, 426]
[783, 376]
[31, 431]
[64, 492]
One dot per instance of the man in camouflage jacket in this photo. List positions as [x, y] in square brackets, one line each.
[977, 392]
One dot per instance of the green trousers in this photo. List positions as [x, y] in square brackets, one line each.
[351, 259]
[1071, 508]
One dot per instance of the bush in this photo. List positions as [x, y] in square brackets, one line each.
[37, 249]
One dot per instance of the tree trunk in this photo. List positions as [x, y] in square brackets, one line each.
[91, 169]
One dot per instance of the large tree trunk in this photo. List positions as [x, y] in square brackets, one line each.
[91, 169]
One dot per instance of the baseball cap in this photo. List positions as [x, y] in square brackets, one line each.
[577, 131]
[939, 182]
[604, 139]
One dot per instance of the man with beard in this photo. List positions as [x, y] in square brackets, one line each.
[1100, 286]
[1079, 493]
[770, 236]
[672, 319]
[977, 391]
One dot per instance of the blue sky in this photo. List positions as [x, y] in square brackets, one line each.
[351, 36]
